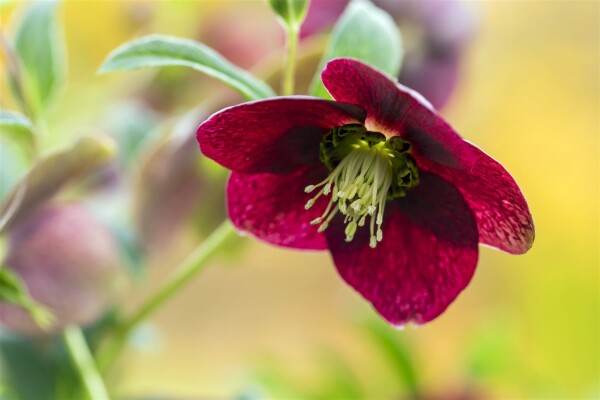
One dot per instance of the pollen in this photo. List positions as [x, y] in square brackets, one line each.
[366, 170]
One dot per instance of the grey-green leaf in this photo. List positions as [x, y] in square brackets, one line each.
[292, 12]
[367, 33]
[52, 172]
[17, 127]
[40, 46]
[165, 51]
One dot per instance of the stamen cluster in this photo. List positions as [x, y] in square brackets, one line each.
[366, 171]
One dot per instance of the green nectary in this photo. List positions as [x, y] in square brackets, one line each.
[367, 170]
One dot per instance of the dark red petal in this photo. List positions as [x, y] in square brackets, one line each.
[275, 135]
[427, 257]
[394, 109]
[503, 217]
[271, 207]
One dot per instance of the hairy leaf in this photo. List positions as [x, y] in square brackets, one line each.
[40, 47]
[366, 33]
[165, 51]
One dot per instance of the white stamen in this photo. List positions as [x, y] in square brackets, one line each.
[372, 242]
[359, 185]
[350, 231]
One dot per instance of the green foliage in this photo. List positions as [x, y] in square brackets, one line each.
[14, 291]
[41, 369]
[40, 48]
[291, 12]
[36, 369]
[28, 369]
[129, 245]
[490, 351]
[339, 380]
[54, 171]
[14, 164]
[364, 32]
[167, 51]
[334, 378]
[397, 354]
[18, 128]
[131, 124]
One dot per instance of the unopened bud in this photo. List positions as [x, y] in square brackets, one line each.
[69, 263]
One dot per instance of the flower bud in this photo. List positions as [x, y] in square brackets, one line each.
[69, 263]
[174, 188]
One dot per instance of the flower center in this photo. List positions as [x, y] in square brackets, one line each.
[366, 171]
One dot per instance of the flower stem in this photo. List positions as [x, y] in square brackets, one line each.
[182, 275]
[289, 73]
[85, 364]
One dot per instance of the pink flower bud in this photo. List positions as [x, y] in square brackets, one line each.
[69, 263]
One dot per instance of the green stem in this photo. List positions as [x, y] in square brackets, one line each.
[289, 73]
[84, 364]
[182, 275]
[40, 133]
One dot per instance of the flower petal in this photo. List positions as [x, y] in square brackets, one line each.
[502, 213]
[274, 135]
[426, 258]
[394, 109]
[271, 207]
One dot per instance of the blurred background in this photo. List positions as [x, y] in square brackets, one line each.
[519, 79]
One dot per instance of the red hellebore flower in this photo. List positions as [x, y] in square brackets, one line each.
[378, 178]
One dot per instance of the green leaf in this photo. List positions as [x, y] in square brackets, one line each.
[53, 172]
[14, 291]
[292, 12]
[18, 128]
[41, 50]
[364, 32]
[166, 51]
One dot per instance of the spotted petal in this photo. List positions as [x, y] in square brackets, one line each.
[275, 135]
[503, 217]
[502, 213]
[394, 109]
[271, 207]
[427, 256]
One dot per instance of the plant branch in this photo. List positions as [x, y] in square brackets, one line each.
[181, 276]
